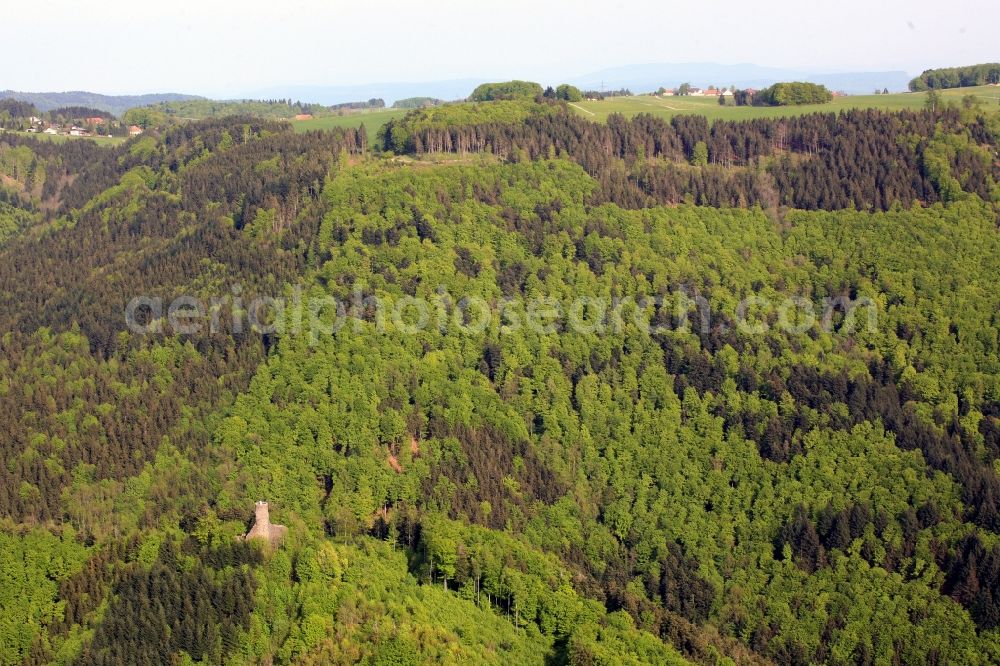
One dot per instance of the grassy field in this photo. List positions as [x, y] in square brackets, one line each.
[59, 138]
[372, 120]
[667, 107]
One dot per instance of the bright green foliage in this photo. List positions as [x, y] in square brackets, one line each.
[568, 93]
[398, 135]
[633, 461]
[945, 152]
[374, 609]
[792, 94]
[957, 77]
[586, 493]
[416, 102]
[145, 117]
[617, 642]
[489, 92]
[31, 566]
[699, 156]
[271, 109]
[12, 221]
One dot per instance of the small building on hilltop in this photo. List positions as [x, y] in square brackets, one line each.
[263, 528]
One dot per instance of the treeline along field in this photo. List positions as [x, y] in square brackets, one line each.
[668, 107]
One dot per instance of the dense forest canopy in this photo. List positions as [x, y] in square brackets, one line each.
[116, 104]
[565, 92]
[602, 94]
[791, 94]
[490, 92]
[270, 109]
[79, 113]
[17, 109]
[809, 162]
[957, 77]
[416, 102]
[682, 392]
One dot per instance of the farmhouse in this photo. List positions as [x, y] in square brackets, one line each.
[303, 116]
[134, 130]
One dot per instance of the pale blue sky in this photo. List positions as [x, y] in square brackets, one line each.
[221, 48]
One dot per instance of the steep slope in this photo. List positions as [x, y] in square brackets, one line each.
[534, 406]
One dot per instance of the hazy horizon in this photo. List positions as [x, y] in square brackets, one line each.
[229, 49]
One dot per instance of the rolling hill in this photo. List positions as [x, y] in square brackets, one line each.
[643, 78]
[116, 104]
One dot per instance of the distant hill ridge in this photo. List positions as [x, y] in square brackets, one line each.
[645, 77]
[116, 104]
[637, 77]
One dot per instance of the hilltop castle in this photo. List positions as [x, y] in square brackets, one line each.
[262, 526]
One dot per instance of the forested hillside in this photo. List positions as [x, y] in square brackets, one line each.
[957, 77]
[561, 393]
[274, 109]
[116, 104]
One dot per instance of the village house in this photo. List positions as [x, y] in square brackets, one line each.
[303, 116]
[94, 121]
[669, 92]
[134, 130]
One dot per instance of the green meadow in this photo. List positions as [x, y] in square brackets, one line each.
[372, 120]
[667, 107]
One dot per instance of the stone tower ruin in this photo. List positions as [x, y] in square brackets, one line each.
[262, 526]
